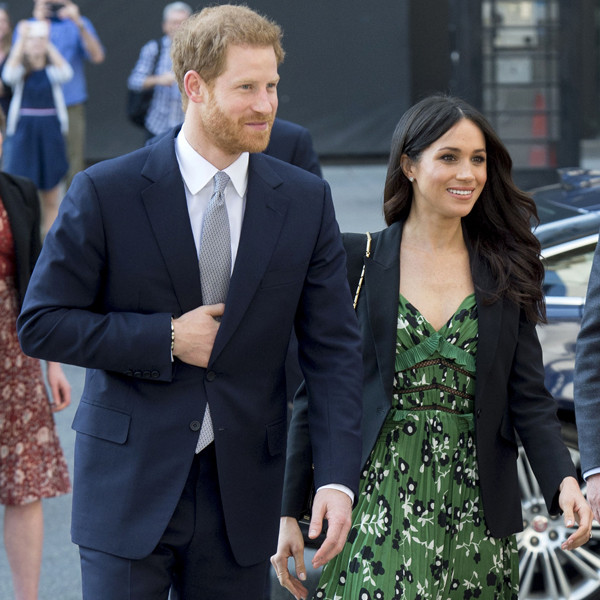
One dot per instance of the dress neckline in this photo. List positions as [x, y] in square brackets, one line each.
[466, 300]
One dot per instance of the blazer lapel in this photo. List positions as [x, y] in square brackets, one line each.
[263, 218]
[382, 274]
[165, 203]
[489, 322]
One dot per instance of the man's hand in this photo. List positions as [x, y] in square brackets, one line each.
[573, 503]
[593, 494]
[60, 388]
[290, 545]
[336, 507]
[195, 333]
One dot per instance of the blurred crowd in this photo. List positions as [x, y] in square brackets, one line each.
[43, 94]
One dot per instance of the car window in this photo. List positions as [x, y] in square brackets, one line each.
[568, 269]
[548, 209]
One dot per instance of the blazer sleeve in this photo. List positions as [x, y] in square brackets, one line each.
[67, 318]
[533, 413]
[587, 373]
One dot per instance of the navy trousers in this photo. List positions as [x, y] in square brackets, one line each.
[192, 561]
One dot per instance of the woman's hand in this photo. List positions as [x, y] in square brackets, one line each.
[575, 509]
[60, 388]
[290, 545]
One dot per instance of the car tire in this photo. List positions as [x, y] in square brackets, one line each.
[546, 571]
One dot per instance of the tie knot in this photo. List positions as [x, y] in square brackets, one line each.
[221, 179]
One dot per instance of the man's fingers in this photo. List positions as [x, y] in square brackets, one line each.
[337, 532]
[215, 310]
[316, 525]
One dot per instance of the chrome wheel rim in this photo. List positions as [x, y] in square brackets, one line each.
[546, 571]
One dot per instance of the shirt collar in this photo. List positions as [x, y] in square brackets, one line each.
[197, 172]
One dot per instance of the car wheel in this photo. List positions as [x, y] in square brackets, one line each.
[546, 571]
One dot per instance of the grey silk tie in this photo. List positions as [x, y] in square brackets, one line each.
[215, 269]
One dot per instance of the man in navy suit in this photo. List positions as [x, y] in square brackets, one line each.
[587, 388]
[293, 144]
[117, 290]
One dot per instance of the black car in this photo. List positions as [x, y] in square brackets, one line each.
[546, 571]
[577, 192]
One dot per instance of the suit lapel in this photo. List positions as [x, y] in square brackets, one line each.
[165, 203]
[263, 218]
[382, 272]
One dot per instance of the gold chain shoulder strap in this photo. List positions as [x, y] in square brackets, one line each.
[362, 273]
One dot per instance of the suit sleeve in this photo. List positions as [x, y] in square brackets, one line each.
[533, 413]
[587, 373]
[305, 155]
[299, 476]
[66, 316]
[330, 358]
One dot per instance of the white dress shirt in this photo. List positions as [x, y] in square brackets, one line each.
[198, 175]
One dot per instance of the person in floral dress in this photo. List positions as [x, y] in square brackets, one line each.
[32, 464]
[450, 294]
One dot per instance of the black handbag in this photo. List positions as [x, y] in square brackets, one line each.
[138, 101]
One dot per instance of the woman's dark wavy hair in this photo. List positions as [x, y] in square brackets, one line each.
[499, 226]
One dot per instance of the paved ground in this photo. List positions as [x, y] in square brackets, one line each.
[357, 193]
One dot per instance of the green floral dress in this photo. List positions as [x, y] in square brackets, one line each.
[418, 528]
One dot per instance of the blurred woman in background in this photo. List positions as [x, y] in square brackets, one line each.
[37, 116]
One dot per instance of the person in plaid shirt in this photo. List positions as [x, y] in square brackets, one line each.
[154, 70]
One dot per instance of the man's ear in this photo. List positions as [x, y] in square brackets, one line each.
[195, 87]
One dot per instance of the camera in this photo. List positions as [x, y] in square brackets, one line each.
[53, 8]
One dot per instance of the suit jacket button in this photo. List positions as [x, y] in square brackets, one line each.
[211, 376]
[129, 373]
[155, 374]
[195, 425]
[146, 374]
[137, 373]
[478, 413]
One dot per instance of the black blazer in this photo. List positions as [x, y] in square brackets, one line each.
[20, 199]
[510, 396]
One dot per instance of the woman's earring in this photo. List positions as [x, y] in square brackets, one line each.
[411, 179]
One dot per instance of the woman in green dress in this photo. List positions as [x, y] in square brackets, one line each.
[450, 296]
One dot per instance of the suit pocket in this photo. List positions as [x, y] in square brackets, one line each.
[278, 277]
[276, 437]
[101, 422]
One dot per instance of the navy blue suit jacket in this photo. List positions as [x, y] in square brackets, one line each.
[119, 261]
[293, 144]
[587, 373]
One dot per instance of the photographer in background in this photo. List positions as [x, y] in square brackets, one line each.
[37, 116]
[154, 70]
[76, 39]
